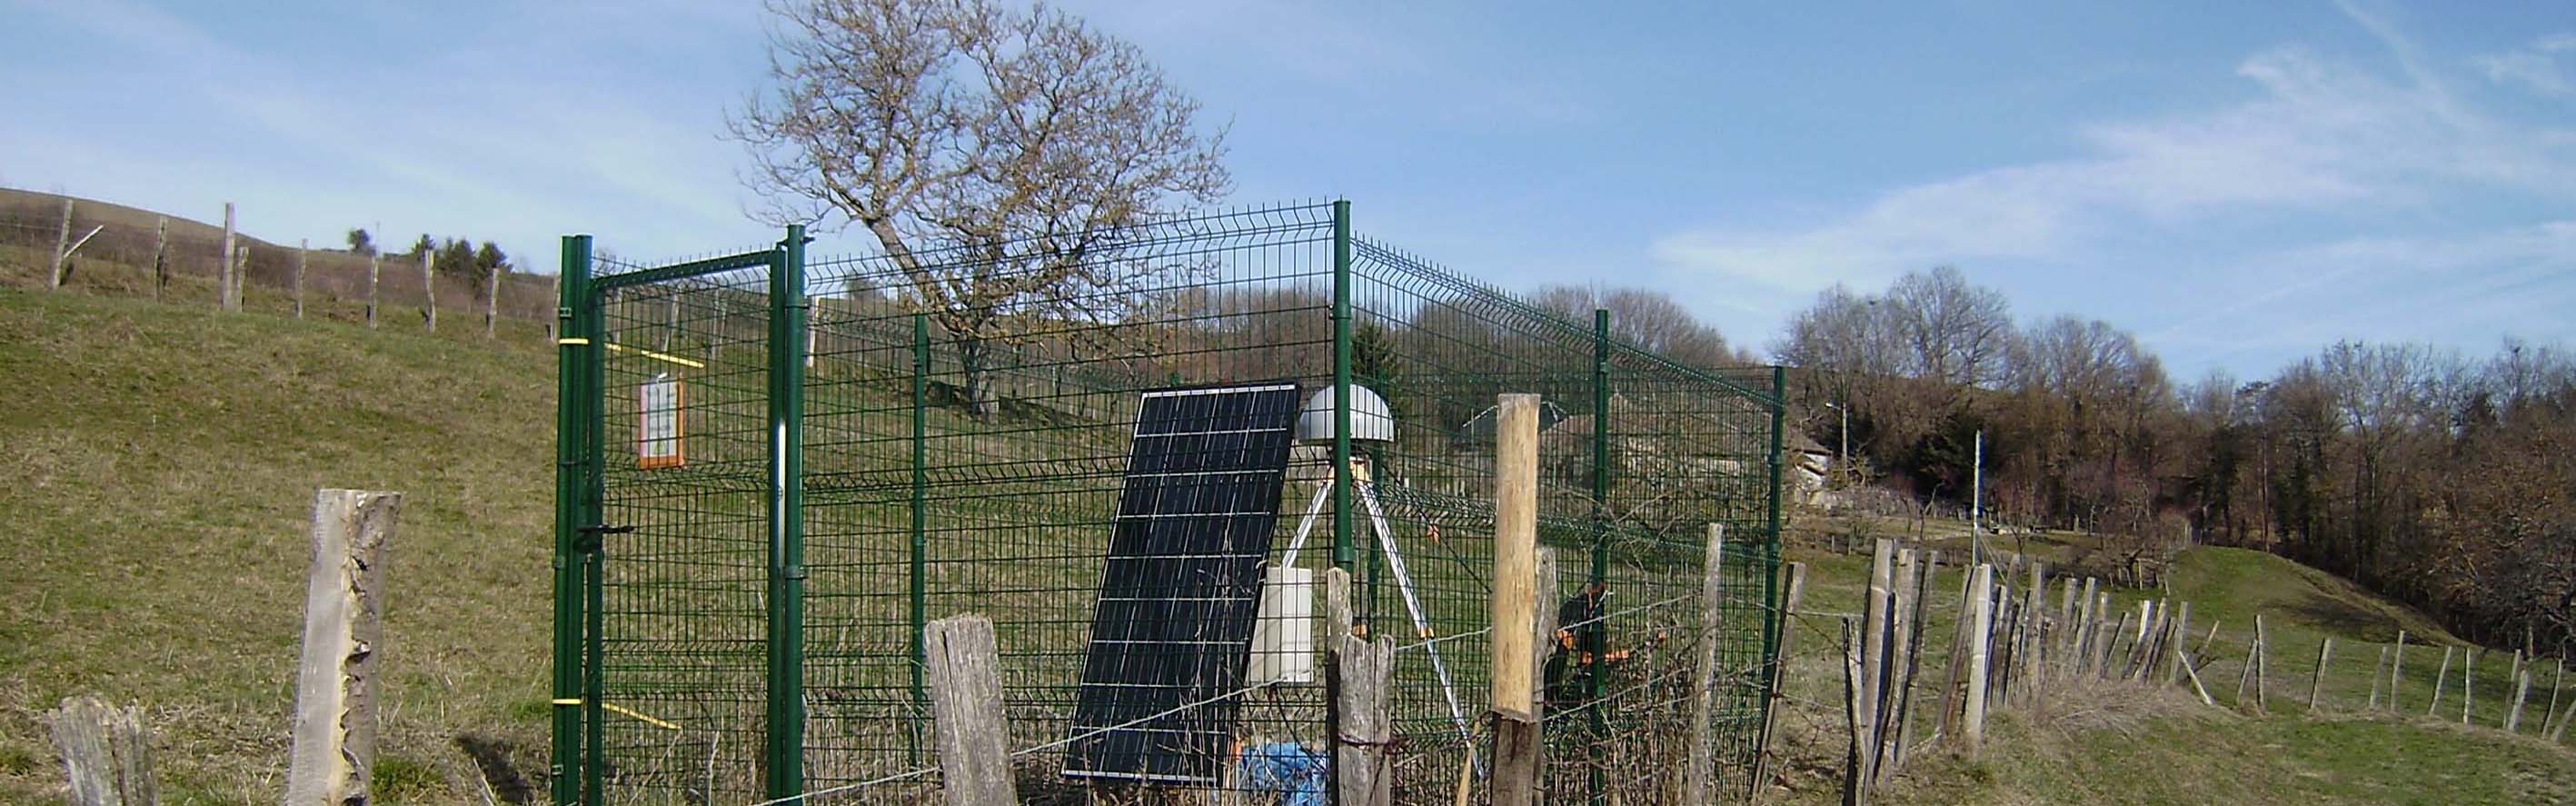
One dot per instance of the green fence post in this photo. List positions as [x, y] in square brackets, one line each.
[784, 739]
[920, 531]
[1600, 542]
[1778, 620]
[591, 324]
[572, 296]
[1342, 386]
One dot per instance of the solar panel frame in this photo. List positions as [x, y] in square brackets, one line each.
[1181, 586]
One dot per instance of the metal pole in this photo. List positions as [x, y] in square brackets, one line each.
[1342, 544]
[569, 353]
[785, 736]
[1599, 650]
[920, 527]
[593, 330]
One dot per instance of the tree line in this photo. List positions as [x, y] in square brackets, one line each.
[450, 257]
[2442, 479]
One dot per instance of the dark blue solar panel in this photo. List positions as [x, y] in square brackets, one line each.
[1182, 584]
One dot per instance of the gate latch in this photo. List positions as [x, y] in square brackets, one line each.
[590, 538]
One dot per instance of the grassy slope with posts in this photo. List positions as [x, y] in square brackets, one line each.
[162, 458]
[2133, 744]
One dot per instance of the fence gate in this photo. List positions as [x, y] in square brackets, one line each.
[678, 572]
[764, 493]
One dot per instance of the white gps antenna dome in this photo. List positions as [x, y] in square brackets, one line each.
[1371, 420]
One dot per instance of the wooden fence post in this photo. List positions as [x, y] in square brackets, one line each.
[2558, 680]
[62, 246]
[1873, 653]
[1794, 587]
[2440, 678]
[1360, 725]
[429, 289]
[2376, 670]
[106, 751]
[1891, 693]
[1515, 605]
[2559, 732]
[492, 312]
[1855, 782]
[2397, 670]
[334, 744]
[375, 276]
[1925, 566]
[2317, 679]
[2468, 682]
[1982, 608]
[224, 274]
[2521, 690]
[160, 257]
[302, 246]
[1701, 779]
[964, 670]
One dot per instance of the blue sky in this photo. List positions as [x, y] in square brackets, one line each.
[2239, 183]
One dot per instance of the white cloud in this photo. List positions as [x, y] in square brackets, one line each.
[2534, 66]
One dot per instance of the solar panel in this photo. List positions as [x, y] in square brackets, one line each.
[1182, 585]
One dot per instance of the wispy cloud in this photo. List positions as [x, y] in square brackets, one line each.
[2323, 146]
[2534, 66]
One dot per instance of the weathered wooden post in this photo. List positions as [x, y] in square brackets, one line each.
[2468, 682]
[334, 744]
[492, 313]
[375, 277]
[429, 289]
[106, 750]
[1921, 586]
[62, 246]
[302, 246]
[224, 273]
[160, 257]
[2440, 678]
[964, 671]
[1891, 693]
[1855, 781]
[2317, 679]
[1982, 608]
[2397, 670]
[2521, 690]
[1700, 780]
[1515, 602]
[1873, 653]
[1359, 686]
[2558, 680]
[1794, 586]
[2376, 671]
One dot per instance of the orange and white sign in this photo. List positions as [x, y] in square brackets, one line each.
[659, 435]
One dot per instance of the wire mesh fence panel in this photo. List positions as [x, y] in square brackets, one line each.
[681, 605]
[1132, 450]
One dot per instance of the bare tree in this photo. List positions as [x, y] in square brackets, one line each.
[1647, 318]
[1956, 332]
[999, 156]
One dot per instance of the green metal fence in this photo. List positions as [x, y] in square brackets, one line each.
[774, 471]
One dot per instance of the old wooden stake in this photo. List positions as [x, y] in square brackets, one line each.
[1515, 601]
[1925, 567]
[2376, 671]
[334, 745]
[1982, 610]
[964, 667]
[224, 279]
[2317, 679]
[62, 246]
[2521, 690]
[2468, 682]
[302, 246]
[1361, 729]
[1855, 781]
[160, 256]
[429, 290]
[375, 277]
[2440, 679]
[1793, 583]
[1891, 693]
[2397, 670]
[1701, 779]
[106, 752]
[2558, 680]
[1873, 653]
[492, 313]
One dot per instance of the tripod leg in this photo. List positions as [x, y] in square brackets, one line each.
[1413, 607]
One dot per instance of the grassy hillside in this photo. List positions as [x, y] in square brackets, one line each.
[162, 460]
[2133, 744]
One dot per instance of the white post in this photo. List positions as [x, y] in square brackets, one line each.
[224, 276]
[62, 245]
